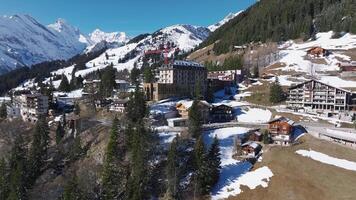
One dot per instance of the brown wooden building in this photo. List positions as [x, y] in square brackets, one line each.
[221, 113]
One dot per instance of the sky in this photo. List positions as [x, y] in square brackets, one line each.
[131, 16]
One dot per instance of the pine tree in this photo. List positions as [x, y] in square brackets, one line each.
[197, 91]
[112, 175]
[148, 75]
[173, 170]
[4, 189]
[64, 119]
[3, 112]
[38, 150]
[64, 85]
[76, 109]
[134, 75]
[59, 133]
[137, 182]
[276, 93]
[71, 190]
[195, 120]
[136, 106]
[214, 163]
[76, 150]
[266, 137]
[17, 185]
[107, 83]
[201, 168]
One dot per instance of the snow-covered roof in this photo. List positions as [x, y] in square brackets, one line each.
[251, 144]
[188, 103]
[284, 119]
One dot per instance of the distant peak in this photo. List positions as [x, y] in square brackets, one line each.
[223, 21]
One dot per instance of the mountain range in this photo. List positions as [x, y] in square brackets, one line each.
[24, 41]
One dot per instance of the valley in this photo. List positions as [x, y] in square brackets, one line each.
[259, 105]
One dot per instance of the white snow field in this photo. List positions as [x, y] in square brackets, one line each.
[167, 137]
[234, 173]
[323, 158]
[253, 115]
[295, 58]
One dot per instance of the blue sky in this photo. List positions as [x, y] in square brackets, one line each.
[130, 16]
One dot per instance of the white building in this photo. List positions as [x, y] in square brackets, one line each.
[32, 106]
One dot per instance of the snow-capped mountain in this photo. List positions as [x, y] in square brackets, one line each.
[230, 16]
[25, 41]
[115, 37]
[186, 37]
[180, 37]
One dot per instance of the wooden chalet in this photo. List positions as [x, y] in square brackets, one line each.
[221, 113]
[280, 130]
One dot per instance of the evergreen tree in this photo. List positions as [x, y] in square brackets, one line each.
[266, 137]
[276, 93]
[59, 133]
[148, 75]
[107, 83]
[195, 120]
[17, 185]
[214, 163]
[137, 182]
[71, 190]
[3, 112]
[173, 170]
[136, 106]
[4, 189]
[135, 74]
[76, 109]
[201, 177]
[76, 150]
[38, 150]
[112, 176]
[197, 91]
[64, 85]
[64, 119]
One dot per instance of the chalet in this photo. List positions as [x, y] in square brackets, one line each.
[254, 135]
[250, 149]
[281, 130]
[119, 105]
[318, 96]
[184, 106]
[317, 52]
[221, 113]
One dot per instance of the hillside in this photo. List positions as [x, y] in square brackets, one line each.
[280, 20]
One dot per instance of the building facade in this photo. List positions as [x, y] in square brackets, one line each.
[318, 96]
[280, 130]
[179, 78]
[32, 106]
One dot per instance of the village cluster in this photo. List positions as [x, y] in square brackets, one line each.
[170, 100]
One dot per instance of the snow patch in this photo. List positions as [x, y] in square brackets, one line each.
[323, 158]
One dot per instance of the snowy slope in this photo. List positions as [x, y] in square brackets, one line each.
[24, 41]
[294, 55]
[229, 17]
[184, 37]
